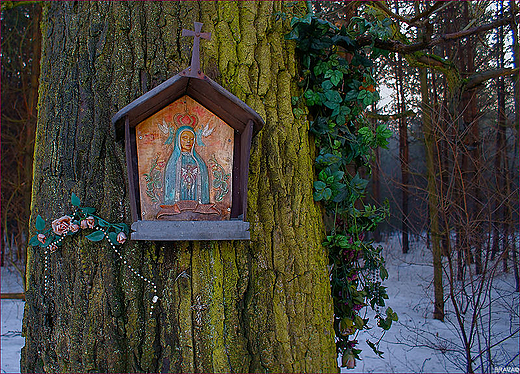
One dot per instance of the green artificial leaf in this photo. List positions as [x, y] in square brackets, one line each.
[74, 200]
[88, 210]
[34, 241]
[48, 240]
[96, 236]
[112, 236]
[40, 223]
[103, 223]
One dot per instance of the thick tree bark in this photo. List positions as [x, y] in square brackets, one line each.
[262, 305]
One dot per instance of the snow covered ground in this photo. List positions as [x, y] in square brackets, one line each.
[11, 311]
[415, 344]
[419, 344]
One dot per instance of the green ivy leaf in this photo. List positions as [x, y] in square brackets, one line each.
[391, 314]
[74, 200]
[374, 348]
[96, 236]
[40, 223]
[327, 85]
[298, 112]
[327, 194]
[319, 185]
[335, 76]
[351, 95]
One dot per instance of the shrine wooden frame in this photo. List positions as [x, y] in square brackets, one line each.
[245, 122]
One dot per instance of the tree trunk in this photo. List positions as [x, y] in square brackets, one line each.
[376, 177]
[433, 203]
[403, 149]
[516, 78]
[403, 157]
[430, 140]
[257, 306]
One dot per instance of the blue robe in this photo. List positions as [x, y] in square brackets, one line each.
[186, 174]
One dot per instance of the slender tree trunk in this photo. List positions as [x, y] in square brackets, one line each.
[471, 158]
[259, 306]
[499, 162]
[376, 179]
[430, 145]
[433, 204]
[516, 79]
[403, 149]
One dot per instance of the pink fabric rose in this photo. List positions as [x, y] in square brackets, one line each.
[61, 225]
[88, 223]
[121, 237]
[41, 238]
[53, 247]
[73, 227]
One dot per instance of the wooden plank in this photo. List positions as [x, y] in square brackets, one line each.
[131, 168]
[245, 151]
[190, 230]
[209, 93]
[20, 295]
[163, 93]
[236, 204]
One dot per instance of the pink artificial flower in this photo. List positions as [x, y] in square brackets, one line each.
[73, 227]
[53, 247]
[41, 238]
[88, 223]
[61, 225]
[121, 237]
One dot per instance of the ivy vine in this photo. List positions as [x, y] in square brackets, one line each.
[338, 85]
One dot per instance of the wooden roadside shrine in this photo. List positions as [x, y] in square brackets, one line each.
[187, 144]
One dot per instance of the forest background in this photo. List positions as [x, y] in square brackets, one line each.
[450, 173]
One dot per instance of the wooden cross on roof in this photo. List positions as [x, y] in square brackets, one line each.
[195, 53]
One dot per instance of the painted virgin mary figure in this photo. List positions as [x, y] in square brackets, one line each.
[186, 174]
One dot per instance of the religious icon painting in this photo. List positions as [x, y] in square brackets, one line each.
[185, 158]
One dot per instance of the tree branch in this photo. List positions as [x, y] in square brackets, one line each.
[396, 46]
[410, 21]
[389, 117]
[479, 78]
